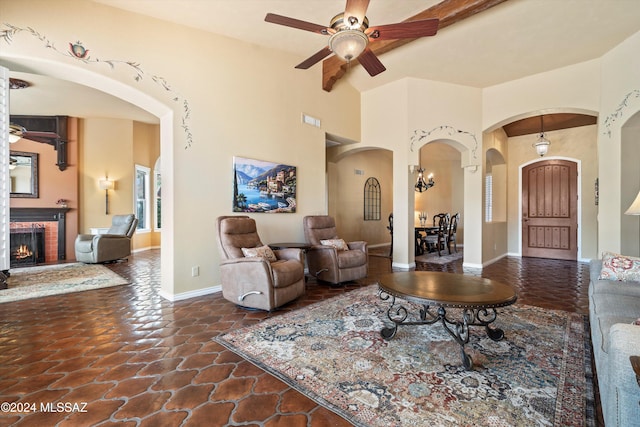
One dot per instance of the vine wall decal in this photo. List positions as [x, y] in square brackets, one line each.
[618, 112]
[80, 53]
[419, 135]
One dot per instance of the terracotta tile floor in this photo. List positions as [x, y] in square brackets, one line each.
[137, 359]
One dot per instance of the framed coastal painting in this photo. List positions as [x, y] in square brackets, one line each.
[263, 186]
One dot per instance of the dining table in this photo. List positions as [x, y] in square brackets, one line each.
[419, 250]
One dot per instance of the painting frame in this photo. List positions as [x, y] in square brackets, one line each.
[261, 186]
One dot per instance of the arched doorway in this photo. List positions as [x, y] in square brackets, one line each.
[132, 95]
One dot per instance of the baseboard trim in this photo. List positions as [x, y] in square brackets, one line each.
[404, 267]
[148, 248]
[190, 294]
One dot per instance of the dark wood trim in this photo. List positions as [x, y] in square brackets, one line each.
[45, 214]
[55, 124]
[448, 12]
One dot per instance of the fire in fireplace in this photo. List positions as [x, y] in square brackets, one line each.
[27, 245]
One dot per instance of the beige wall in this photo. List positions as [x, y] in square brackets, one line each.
[106, 151]
[227, 97]
[346, 188]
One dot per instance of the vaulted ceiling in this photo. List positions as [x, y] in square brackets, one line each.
[501, 41]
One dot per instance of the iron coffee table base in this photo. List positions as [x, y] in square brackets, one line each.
[457, 328]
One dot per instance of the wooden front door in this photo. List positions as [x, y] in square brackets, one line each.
[550, 210]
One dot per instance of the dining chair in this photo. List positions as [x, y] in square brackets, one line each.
[451, 234]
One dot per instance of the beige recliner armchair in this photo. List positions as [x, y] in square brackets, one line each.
[112, 246]
[252, 280]
[329, 262]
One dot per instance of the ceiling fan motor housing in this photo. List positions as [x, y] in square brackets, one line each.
[349, 40]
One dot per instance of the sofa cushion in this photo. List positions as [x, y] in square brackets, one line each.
[260, 251]
[631, 289]
[610, 304]
[339, 244]
[619, 267]
[604, 325]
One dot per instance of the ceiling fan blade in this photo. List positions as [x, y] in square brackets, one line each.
[295, 23]
[404, 30]
[36, 134]
[370, 62]
[317, 57]
[357, 9]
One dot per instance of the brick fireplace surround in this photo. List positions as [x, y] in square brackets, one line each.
[54, 221]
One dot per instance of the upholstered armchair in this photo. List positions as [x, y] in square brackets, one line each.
[330, 259]
[253, 275]
[112, 246]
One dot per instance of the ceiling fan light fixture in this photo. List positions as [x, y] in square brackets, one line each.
[15, 133]
[348, 44]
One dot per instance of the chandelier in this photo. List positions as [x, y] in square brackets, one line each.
[421, 184]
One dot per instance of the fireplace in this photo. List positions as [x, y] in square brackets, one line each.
[53, 220]
[27, 245]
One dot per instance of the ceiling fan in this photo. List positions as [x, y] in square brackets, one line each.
[16, 132]
[350, 35]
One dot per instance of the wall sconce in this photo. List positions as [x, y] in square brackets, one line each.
[106, 185]
[421, 184]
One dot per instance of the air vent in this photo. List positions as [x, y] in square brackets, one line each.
[310, 120]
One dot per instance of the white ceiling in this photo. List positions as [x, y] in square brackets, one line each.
[512, 40]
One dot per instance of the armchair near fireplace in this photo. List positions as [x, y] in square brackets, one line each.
[112, 246]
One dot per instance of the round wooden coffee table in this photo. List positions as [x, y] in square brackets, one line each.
[477, 298]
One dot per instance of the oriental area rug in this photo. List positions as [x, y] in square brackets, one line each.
[332, 352]
[40, 281]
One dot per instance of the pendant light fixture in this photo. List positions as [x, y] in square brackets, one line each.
[542, 144]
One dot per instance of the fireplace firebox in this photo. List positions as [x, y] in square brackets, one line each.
[27, 245]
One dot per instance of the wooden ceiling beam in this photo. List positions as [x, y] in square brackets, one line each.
[448, 12]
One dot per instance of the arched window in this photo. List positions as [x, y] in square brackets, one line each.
[372, 200]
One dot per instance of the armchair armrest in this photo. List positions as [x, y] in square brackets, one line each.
[358, 245]
[289, 253]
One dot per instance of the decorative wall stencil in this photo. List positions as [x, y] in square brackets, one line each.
[618, 112]
[79, 52]
[443, 132]
[260, 186]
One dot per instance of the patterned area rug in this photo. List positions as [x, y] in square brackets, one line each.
[333, 353]
[445, 258]
[40, 281]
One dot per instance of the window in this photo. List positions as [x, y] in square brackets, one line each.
[142, 200]
[488, 197]
[157, 195]
[372, 200]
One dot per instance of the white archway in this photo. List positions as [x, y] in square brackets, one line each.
[79, 75]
